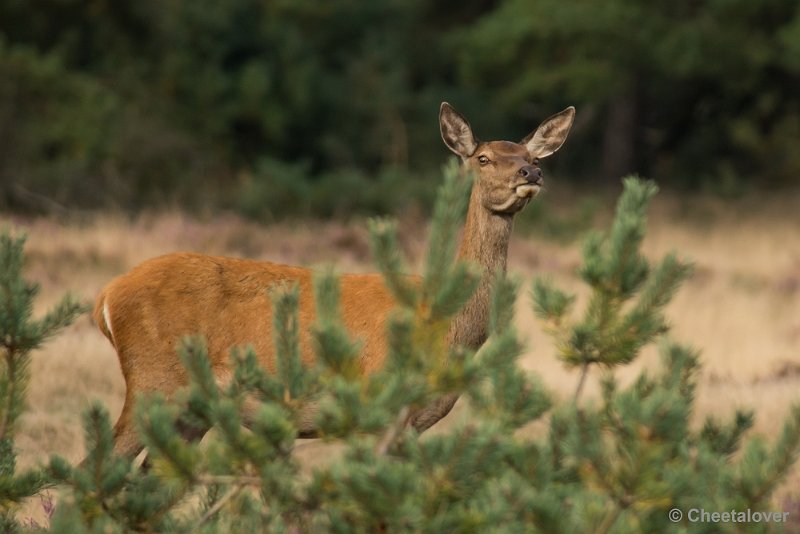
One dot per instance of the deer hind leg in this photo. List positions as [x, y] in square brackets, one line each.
[190, 433]
[306, 429]
[126, 441]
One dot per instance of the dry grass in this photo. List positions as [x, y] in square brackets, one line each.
[742, 307]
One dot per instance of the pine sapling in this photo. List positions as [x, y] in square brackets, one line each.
[625, 309]
[20, 334]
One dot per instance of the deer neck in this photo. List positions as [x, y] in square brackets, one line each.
[485, 244]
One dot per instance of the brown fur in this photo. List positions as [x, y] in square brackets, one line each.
[226, 300]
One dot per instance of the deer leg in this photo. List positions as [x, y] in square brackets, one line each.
[190, 433]
[432, 413]
[306, 425]
[126, 441]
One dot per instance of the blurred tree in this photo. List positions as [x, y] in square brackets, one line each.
[130, 103]
[703, 90]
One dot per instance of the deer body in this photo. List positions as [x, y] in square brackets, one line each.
[144, 313]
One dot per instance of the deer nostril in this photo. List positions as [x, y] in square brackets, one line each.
[530, 174]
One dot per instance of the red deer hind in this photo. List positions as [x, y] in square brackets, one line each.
[145, 312]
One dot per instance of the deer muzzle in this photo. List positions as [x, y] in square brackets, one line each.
[531, 181]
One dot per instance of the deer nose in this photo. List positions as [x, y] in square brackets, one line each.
[531, 174]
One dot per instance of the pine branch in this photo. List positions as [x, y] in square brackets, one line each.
[386, 254]
[19, 335]
[14, 383]
[581, 381]
[157, 422]
[504, 296]
[221, 502]
[237, 480]
[784, 455]
[610, 466]
[332, 343]
[448, 215]
[550, 303]
[194, 356]
[285, 302]
[394, 430]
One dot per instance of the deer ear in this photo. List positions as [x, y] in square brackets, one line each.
[550, 135]
[456, 131]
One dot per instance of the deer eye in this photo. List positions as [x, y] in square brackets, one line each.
[536, 161]
[483, 160]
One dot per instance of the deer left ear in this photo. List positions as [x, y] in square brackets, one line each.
[550, 135]
[456, 131]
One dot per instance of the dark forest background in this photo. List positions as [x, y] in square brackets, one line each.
[297, 107]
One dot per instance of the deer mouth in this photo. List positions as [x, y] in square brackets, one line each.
[527, 190]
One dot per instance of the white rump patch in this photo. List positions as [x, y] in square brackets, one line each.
[107, 319]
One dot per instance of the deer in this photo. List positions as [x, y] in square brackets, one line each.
[145, 312]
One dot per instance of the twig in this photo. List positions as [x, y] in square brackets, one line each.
[230, 494]
[391, 433]
[581, 381]
[239, 480]
[609, 521]
[11, 369]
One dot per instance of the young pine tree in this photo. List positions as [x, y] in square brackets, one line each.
[617, 464]
[621, 464]
[20, 334]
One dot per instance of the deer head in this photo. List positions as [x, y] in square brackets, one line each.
[507, 174]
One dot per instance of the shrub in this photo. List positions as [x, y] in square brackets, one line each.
[19, 335]
[619, 464]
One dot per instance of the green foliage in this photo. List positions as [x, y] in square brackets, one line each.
[19, 335]
[177, 101]
[624, 311]
[634, 456]
[701, 105]
[276, 189]
[277, 108]
[617, 464]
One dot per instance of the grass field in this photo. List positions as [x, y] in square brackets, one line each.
[741, 307]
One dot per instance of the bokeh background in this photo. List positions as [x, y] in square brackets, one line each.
[270, 108]
[269, 129]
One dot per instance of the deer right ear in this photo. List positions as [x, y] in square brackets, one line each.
[456, 131]
[550, 135]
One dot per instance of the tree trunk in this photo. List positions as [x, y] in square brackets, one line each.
[619, 138]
